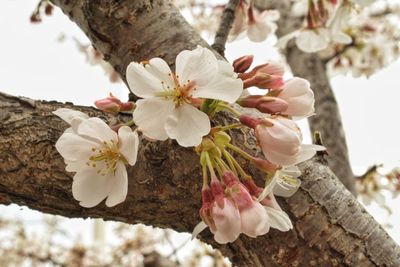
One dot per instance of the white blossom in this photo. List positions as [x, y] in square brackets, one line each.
[98, 156]
[168, 107]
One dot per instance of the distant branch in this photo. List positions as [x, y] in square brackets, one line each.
[227, 19]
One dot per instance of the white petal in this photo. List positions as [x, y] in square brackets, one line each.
[313, 40]
[128, 143]
[259, 31]
[307, 152]
[160, 69]
[73, 166]
[151, 114]
[279, 219]
[187, 125]
[198, 229]
[254, 220]
[73, 147]
[286, 189]
[199, 65]
[69, 114]
[97, 129]
[282, 42]
[293, 171]
[142, 82]
[119, 186]
[269, 187]
[295, 87]
[225, 86]
[89, 187]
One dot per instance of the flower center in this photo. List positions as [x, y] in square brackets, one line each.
[179, 93]
[109, 155]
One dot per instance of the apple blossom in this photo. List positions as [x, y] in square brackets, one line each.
[168, 107]
[98, 156]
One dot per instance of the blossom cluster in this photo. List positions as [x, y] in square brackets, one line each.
[179, 105]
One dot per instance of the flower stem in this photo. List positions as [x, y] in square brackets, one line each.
[205, 175]
[231, 109]
[238, 167]
[232, 126]
[229, 160]
[130, 123]
[240, 152]
[209, 164]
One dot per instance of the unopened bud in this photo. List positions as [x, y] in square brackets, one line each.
[242, 64]
[254, 190]
[250, 101]
[271, 68]
[113, 105]
[264, 165]
[264, 103]
[264, 81]
[229, 178]
[250, 121]
[272, 105]
[48, 10]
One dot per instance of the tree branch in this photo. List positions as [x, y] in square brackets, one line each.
[165, 185]
[227, 19]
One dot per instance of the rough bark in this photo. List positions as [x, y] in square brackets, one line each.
[331, 228]
[327, 119]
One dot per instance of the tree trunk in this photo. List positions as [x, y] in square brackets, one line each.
[330, 227]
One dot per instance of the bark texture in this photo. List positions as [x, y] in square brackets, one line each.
[330, 227]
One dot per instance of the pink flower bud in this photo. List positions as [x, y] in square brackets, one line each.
[252, 122]
[113, 105]
[280, 140]
[266, 76]
[243, 63]
[254, 190]
[271, 68]
[249, 121]
[264, 165]
[206, 208]
[272, 105]
[297, 93]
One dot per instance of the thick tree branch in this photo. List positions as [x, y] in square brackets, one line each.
[331, 228]
[227, 18]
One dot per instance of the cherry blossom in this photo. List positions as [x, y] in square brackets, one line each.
[280, 140]
[98, 156]
[170, 100]
[299, 97]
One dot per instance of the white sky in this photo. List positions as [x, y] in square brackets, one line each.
[34, 64]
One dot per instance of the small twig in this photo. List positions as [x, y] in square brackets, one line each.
[227, 18]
